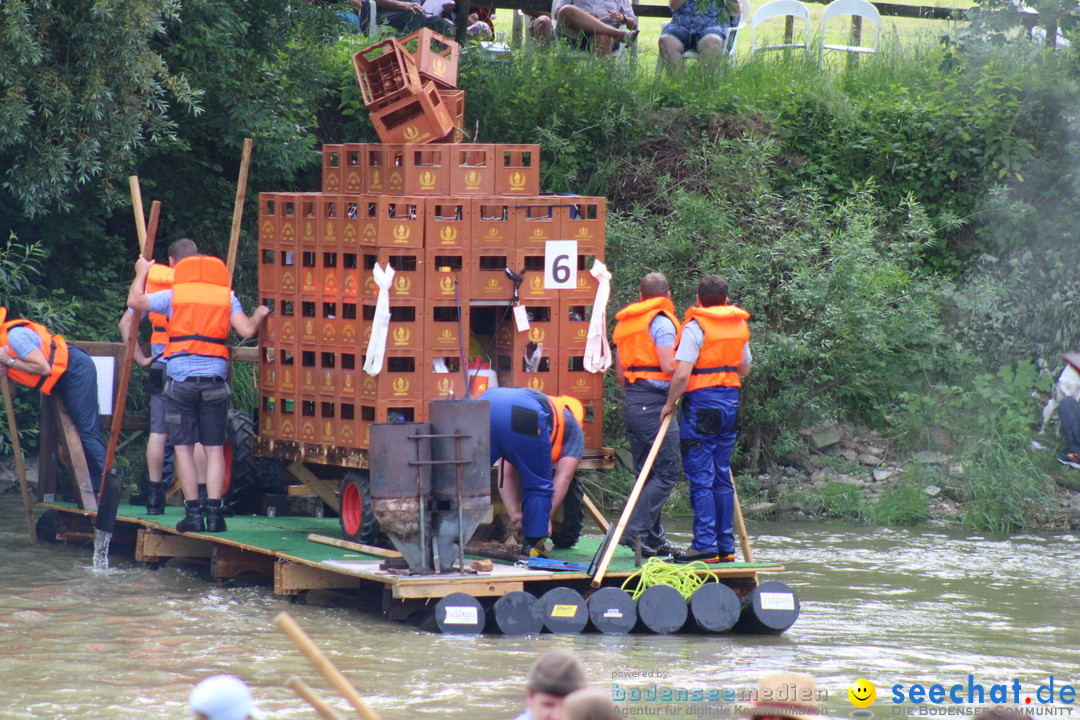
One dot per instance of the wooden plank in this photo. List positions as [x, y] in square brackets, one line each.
[73, 443]
[292, 451]
[48, 447]
[153, 546]
[326, 492]
[299, 490]
[355, 546]
[228, 561]
[293, 579]
[442, 587]
[245, 354]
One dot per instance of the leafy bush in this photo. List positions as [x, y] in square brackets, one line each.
[842, 501]
[902, 504]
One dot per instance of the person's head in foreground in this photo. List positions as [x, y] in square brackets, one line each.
[785, 695]
[590, 704]
[223, 697]
[553, 676]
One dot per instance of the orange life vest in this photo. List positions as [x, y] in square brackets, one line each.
[558, 425]
[726, 333]
[56, 351]
[160, 277]
[201, 306]
[637, 351]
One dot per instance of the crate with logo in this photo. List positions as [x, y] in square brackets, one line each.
[493, 223]
[386, 73]
[578, 382]
[418, 169]
[446, 275]
[594, 423]
[444, 322]
[357, 228]
[530, 265]
[268, 368]
[308, 323]
[270, 209]
[352, 283]
[418, 118]
[436, 57]
[574, 321]
[488, 278]
[399, 379]
[444, 378]
[406, 329]
[332, 165]
[307, 220]
[331, 210]
[472, 169]
[287, 370]
[387, 411]
[269, 420]
[408, 280]
[538, 220]
[517, 169]
[285, 329]
[585, 285]
[349, 372]
[447, 223]
[543, 329]
[585, 221]
[268, 270]
[512, 372]
[351, 323]
[367, 168]
[288, 209]
[277, 416]
[394, 221]
[454, 100]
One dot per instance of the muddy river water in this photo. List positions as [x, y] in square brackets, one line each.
[897, 607]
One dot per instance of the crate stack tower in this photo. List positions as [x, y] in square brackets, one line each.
[450, 218]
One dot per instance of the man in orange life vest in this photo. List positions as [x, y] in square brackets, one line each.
[32, 356]
[646, 335]
[710, 361]
[531, 432]
[158, 449]
[201, 308]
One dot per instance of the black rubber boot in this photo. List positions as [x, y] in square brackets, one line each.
[215, 523]
[194, 520]
[155, 498]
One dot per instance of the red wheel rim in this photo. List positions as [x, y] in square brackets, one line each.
[352, 509]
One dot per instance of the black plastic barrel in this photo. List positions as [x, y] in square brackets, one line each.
[459, 614]
[714, 607]
[612, 610]
[516, 613]
[770, 609]
[661, 609]
[564, 610]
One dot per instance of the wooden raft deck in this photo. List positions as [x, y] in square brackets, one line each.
[278, 547]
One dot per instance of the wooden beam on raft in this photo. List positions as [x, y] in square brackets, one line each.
[293, 579]
[69, 436]
[228, 561]
[326, 491]
[154, 546]
[354, 546]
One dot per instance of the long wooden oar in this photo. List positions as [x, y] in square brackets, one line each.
[740, 524]
[322, 663]
[314, 699]
[238, 206]
[631, 502]
[16, 447]
[103, 521]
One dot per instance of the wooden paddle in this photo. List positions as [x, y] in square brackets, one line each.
[284, 621]
[147, 251]
[314, 699]
[238, 206]
[631, 502]
[16, 447]
[740, 524]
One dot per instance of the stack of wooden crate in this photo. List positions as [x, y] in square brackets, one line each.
[451, 219]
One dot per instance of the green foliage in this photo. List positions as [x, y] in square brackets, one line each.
[842, 501]
[902, 504]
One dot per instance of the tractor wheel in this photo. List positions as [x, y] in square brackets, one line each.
[241, 466]
[566, 534]
[357, 513]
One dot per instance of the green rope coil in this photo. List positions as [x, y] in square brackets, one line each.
[686, 579]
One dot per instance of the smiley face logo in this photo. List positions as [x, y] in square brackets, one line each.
[862, 693]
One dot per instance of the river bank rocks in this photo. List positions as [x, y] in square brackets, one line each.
[9, 477]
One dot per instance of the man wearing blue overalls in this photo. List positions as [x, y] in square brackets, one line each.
[541, 441]
[712, 358]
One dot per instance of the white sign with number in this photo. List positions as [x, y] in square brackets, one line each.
[560, 265]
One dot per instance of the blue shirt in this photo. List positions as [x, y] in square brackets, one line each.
[698, 15]
[185, 365]
[663, 334]
[23, 341]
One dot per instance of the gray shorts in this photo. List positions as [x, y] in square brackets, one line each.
[157, 414]
[196, 410]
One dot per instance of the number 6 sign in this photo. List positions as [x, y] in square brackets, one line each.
[560, 265]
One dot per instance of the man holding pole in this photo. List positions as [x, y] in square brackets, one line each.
[201, 308]
[159, 277]
[713, 356]
[32, 356]
[646, 335]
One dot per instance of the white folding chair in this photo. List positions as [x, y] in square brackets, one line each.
[856, 9]
[785, 9]
[729, 41]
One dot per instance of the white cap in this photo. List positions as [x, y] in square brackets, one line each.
[224, 697]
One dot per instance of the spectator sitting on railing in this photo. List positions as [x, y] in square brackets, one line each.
[405, 16]
[700, 25]
[480, 25]
[597, 23]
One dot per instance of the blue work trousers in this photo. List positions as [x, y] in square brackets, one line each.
[706, 438]
[521, 435]
[641, 415]
[77, 387]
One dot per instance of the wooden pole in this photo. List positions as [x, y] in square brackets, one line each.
[322, 663]
[137, 206]
[631, 502]
[740, 524]
[314, 699]
[238, 206]
[16, 447]
[147, 249]
[595, 514]
[348, 545]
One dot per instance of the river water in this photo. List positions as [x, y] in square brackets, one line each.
[893, 606]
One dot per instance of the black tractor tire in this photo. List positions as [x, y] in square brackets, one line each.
[357, 512]
[49, 525]
[240, 495]
[567, 533]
